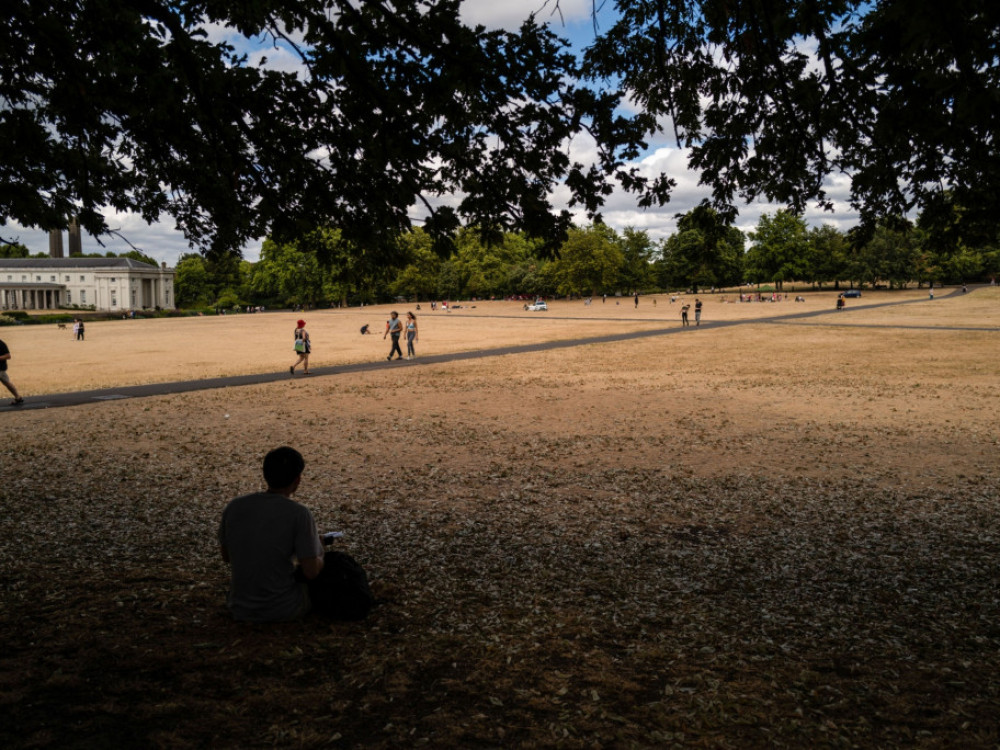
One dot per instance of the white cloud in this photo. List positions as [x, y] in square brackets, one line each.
[620, 210]
[510, 14]
[279, 58]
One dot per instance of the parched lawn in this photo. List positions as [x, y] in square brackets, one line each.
[47, 359]
[777, 534]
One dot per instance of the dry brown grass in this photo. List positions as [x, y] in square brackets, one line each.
[774, 534]
[127, 352]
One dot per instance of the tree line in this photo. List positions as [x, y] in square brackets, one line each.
[324, 268]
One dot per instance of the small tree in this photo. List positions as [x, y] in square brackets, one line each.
[420, 276]
[705, 251]
[13, 250]
[589, 260]
[964, 264]
[139, 256]
[778, 249]
[826, 255]
[191, 282]
[637, 252]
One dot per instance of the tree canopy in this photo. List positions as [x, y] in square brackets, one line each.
[145, 107]
[903, 96]
[778, 249]
[134, 105]
[13, 250]
[705, 251]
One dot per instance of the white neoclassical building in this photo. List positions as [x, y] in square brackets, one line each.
[109, 284]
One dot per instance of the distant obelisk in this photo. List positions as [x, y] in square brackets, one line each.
[75, 240]
[55, 243]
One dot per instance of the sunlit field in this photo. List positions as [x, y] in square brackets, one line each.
[781, 533]
[129, 352]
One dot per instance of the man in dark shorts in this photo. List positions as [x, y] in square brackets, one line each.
[5, 378]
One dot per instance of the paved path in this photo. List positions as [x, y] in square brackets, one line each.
[76, 398]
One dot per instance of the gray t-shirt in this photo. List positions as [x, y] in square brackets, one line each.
[262, 533]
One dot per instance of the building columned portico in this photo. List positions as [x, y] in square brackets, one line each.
[30, 296]
[107, 284]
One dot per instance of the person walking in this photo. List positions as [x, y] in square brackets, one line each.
[303, 347]
[394, 328]
[684, 315]
[5, 378]
[697, 311]
[637, 300]
[411, 334]
[79, 329]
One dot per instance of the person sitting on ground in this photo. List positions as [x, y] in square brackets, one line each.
[365, 329]
[259, 536]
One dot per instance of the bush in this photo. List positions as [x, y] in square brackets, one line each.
[186, 312]
[60, 318]
[8, 320]
[19, 317]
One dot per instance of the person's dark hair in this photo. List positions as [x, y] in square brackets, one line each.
[282, 467]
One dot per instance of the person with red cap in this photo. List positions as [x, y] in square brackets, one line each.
[302, 347]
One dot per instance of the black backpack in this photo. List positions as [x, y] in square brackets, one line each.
[341, 589]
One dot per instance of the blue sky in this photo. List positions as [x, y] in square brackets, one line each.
[573, 21]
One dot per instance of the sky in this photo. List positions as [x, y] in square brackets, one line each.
[571, 19]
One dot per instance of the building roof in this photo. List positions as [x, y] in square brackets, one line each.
[71, 263]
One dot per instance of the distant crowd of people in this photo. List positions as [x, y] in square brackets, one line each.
[248, 309]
